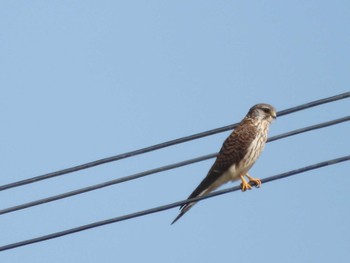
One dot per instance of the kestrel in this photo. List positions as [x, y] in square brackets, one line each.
[238, 154]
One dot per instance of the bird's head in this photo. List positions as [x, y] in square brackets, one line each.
[262, 111]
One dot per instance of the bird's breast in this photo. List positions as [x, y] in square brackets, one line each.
[254, 149]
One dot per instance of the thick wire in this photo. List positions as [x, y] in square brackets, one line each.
[163, 145]
[167, 207]
[157, 170]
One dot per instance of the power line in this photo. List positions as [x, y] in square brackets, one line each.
[157, 170]
[309, 128]
[168, 206]
[163, 145]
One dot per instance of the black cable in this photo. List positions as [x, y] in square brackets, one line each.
[166, 207]
[309, 128]
[157, 170]
[163, 145]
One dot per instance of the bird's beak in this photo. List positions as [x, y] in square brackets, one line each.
[274, 115]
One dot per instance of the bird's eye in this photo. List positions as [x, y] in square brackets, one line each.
[266, 110]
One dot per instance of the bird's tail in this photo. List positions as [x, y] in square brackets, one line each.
[184, 209]
[209, 183]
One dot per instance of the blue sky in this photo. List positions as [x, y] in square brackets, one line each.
[83, 80]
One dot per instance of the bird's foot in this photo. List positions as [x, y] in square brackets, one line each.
[245, 185]
[255, 181]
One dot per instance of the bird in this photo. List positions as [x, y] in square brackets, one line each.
[238, 154]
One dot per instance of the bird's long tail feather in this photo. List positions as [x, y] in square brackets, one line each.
[184, 209]
[205, 187]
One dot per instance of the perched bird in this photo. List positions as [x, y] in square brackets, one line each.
[238, 154]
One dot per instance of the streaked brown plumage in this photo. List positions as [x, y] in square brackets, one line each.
[238, 153]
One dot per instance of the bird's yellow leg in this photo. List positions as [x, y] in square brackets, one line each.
[245, 185]
[254, 180]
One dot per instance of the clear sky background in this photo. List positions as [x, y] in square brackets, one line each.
[84, 80]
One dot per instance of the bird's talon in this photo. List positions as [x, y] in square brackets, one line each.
[245, 186]
[257, 182]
